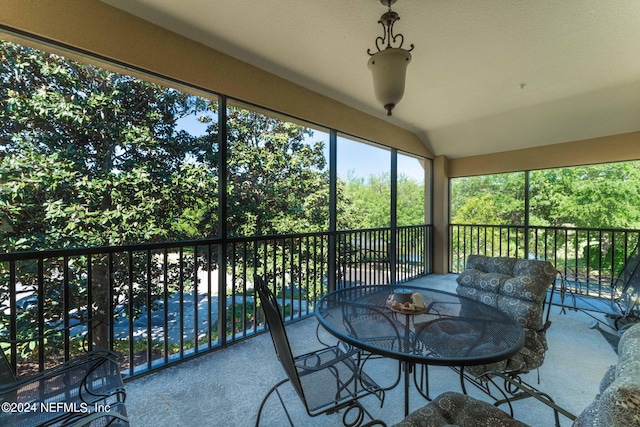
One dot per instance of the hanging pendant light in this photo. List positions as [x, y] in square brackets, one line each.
[389, 64]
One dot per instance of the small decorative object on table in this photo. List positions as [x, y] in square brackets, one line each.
[405, 302]
[402, 295]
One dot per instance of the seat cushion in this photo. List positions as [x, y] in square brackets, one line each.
[455, 409]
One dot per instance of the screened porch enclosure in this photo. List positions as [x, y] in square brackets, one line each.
[150, 203]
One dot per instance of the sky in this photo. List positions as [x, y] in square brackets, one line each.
[365, 160]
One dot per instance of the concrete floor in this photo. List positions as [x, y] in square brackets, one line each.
[225, 388]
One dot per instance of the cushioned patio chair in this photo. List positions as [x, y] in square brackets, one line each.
[327, 380]
[86, 390]
[519, 288]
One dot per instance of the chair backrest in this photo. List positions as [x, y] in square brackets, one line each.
[278, 333]
[371, 325]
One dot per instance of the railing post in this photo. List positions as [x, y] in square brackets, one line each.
[393, 243]
[526, 214]
[333, 185]
[222, 220]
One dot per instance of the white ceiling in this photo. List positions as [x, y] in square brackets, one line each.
[578, 59]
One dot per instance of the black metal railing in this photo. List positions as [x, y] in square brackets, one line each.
[365, 256]
[165, 302]
[589, 259]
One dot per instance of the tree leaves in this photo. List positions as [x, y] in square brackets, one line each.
[596, 196]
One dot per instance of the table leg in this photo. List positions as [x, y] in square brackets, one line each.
[423, 387]
[407, 366]
[407, 374]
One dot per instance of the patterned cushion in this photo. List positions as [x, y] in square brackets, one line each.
[502, 265]
[517, 287]
[455, 409]
[618, 404]
[478, 279]
[477, 262]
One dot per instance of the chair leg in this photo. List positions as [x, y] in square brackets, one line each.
[485, 387]
[266, 397]
[360, 417]
[518, 389]
[361, 362]
[318, 329]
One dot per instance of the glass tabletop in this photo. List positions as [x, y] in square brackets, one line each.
[450, 330]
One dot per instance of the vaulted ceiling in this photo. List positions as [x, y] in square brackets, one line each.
[486, 76]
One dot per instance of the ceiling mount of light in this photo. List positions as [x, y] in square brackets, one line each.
[389, 64]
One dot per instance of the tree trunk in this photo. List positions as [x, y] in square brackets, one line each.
[100, 301]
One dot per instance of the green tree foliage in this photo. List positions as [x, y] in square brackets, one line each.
[369, 201]
[93, 158]
[369, 207]
[96, 158]
[411, 204]
[278, 182]
[489, 199]
[598, 196]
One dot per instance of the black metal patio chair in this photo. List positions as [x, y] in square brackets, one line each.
[86, 390]
[327, 380]
[626, 293]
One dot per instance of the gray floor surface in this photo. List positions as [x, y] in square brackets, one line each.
[225, 388]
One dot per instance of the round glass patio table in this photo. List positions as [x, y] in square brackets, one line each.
[450, 330]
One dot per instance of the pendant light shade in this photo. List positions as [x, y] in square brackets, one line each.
[389, 64]
[389, 69]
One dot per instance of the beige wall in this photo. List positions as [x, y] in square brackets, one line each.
[440, 215]
[100, 29]
[613, 148]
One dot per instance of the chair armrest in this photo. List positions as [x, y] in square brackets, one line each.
[340, 355]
